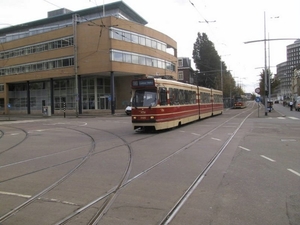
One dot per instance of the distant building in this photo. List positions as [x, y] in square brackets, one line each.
[286, 74]
[84, 60]
[186, 73]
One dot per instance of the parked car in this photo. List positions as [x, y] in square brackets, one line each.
[128, 110]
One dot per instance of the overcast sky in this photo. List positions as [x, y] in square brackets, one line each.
[236, 22]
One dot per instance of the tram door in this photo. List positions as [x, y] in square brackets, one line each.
[103, 102]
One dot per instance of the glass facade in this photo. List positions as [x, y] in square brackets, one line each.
[129, 57]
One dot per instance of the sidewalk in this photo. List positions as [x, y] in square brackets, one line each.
[274, 113]
[68, 115]
[278, 111]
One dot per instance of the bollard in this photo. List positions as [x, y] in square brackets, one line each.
[64, 110]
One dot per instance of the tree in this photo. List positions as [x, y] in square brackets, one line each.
[207, 61]
[209, 64]
[274, 82]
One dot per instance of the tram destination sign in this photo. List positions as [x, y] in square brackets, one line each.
[143, 83]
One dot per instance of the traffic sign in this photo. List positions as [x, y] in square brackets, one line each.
[257, 90]
[257, 99]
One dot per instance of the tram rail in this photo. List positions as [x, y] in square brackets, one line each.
[112, 194]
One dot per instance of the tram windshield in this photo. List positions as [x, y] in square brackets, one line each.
[144, 98]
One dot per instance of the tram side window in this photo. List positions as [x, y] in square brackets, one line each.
[204, 97]
[173, 95]
[218, 99]
[187, 97]
[163, 96]
[181, 97]
[192, 97]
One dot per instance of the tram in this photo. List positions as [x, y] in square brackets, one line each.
[161, 103]
[239, 102]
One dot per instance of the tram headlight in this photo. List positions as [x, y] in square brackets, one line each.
[152, 117]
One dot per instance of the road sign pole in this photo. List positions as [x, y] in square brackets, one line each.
[257, 99]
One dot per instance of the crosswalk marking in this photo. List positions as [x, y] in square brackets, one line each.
[284, 118]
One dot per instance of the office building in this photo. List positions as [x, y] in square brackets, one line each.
[287, 73]
[80, 61]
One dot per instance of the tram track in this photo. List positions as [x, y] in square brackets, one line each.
[170, 215]
[50, 187]
[16, 144]
[112, 194]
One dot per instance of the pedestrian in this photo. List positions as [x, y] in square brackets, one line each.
[291, 105]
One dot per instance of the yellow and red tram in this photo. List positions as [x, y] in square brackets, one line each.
[162, 104]
[239, 102]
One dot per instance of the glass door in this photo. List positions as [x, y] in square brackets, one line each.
[103, 102]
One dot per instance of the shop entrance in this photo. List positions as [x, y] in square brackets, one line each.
[103, 102]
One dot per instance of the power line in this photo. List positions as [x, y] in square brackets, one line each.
[53, 4]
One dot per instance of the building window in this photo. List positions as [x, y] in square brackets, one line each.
[38, 66]
[41, 47]
[180, 63]
[137, 39]
[180, 75]
[135, 59]
[1, 87]
[129, 57]
[117, 56]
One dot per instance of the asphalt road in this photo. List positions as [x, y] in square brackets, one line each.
[58, 166]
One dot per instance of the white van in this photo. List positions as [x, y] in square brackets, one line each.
[297, 105]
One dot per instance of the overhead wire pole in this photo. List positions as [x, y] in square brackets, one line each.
[266, 76]
[265, 53]
[75, 62]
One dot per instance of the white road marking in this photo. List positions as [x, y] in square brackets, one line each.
[288, 140]
[196, 134]
[29, 196]
[15, 194]
[217, 139]
[293, 171]
[245, 148]
[272, 160]
[284, 118]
